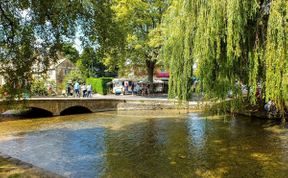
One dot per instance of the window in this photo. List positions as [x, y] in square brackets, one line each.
[66, 71]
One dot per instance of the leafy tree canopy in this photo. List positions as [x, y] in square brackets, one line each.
[70, 52]
[140, 20]
[91, 64]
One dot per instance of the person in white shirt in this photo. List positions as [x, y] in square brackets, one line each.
[89, 90]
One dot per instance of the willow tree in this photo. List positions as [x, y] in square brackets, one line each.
[140, 20]
[230, 40]
[177, 49]
[277, 54]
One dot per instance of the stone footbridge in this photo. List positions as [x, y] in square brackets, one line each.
[66, 106]
[60, 106]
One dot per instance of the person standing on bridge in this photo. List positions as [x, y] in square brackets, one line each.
[77, 89]
[68, 89]
[84, 90]
[89, 90]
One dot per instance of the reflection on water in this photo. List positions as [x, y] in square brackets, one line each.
[149, 144]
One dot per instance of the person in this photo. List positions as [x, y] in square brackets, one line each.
[132, 87]
[273, 108]
[144, 89]
[137, 88]
[63, 93]
[118, 89]
[89, 90]
[126, 84]
[84, 90]
[267, 106]
[77, 89]
[148, 89]
[49, 89]
[68, 89]
[71, 90]
[270, 107]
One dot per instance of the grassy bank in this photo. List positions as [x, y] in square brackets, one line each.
[13, 168]
[8, 169]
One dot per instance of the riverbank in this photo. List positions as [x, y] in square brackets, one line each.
[259, 112]
[244, 109]
[14, 168]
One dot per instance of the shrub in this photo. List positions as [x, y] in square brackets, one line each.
[38, 88]
[99, 85]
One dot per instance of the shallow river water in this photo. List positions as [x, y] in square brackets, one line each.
[149, 144]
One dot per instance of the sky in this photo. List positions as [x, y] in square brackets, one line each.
[77, 43]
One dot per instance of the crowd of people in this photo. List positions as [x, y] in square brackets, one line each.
[79, 90]
[134, 88]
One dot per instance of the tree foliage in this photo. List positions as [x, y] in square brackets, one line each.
[32, 31]
[140, 20]
[39, 88]
[70, 52]
[229, 40]
[91, 63]
[277, 53]
[104, 34]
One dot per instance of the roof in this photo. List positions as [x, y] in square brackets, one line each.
[57, 63]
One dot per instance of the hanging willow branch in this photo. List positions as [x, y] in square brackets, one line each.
[276, 54]
[232, 42]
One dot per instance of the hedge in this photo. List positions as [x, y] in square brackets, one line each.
[99, 84]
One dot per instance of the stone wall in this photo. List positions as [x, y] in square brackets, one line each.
[158, 105]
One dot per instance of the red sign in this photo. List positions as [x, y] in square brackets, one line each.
[162, 74]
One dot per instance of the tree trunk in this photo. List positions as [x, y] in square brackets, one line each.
[150, 70]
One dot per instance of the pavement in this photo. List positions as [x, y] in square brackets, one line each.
[153, 97]
[163, 97]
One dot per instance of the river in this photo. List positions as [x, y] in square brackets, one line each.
[149, 144]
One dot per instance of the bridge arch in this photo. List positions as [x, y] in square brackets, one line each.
[78, 109]
[28, 112]
[34, 112]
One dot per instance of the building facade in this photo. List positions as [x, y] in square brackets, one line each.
[57, 72]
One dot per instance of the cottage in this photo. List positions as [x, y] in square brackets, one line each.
[57, 71]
